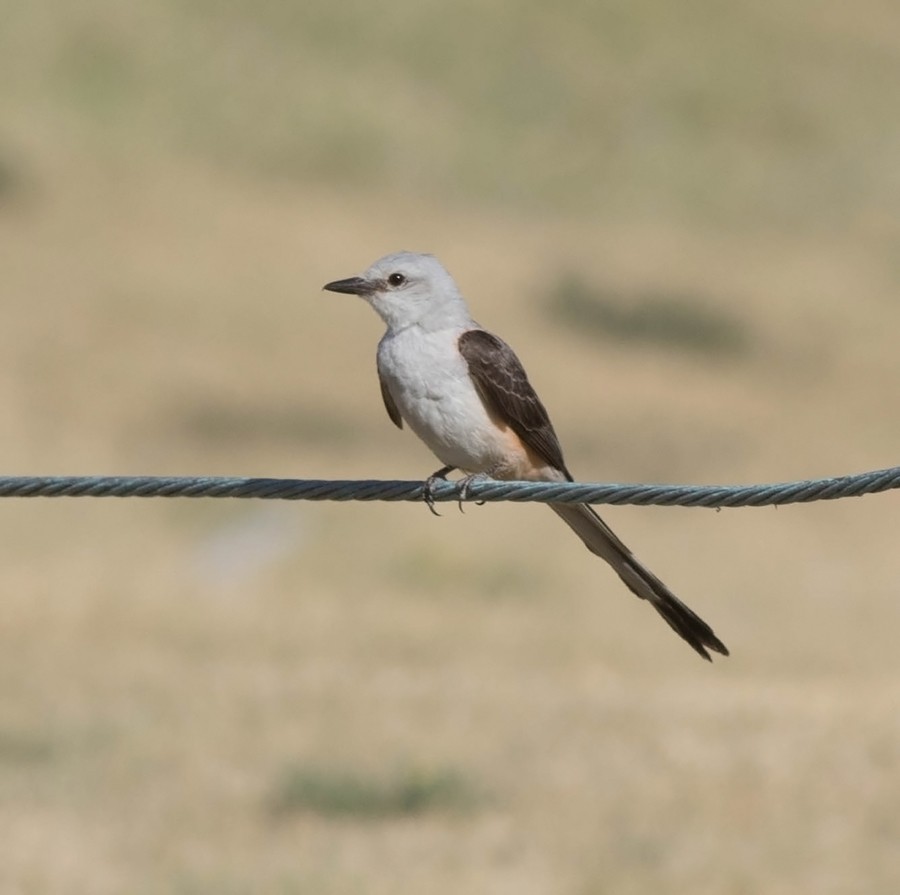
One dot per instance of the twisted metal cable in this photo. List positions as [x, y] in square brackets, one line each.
[717, 496]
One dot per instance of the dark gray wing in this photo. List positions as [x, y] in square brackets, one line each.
[504, 387]
[389, 404]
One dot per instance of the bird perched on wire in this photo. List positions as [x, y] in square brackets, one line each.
[464, 392]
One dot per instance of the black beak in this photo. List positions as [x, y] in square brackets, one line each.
[351, 286]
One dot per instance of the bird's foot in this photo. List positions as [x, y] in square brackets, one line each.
[464, 486]
[430, 482]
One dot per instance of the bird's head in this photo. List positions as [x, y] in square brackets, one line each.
[408, 289]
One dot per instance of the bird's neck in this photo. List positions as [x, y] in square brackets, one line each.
[435, 320]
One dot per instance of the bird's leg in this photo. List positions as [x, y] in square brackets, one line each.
[430, 482]
[462, 488]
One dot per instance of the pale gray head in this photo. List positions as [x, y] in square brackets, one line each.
[408, 289]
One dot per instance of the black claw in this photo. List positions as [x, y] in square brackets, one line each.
[463, 489]
[429, 502]
[430, 482]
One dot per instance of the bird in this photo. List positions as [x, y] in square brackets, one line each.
[464, 392]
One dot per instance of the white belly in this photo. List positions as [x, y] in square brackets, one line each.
[430, 384]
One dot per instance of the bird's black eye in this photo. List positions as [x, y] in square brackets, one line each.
[396, 279]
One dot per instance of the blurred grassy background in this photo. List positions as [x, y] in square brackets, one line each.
[692, 211]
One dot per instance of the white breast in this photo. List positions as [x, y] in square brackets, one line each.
[429, 381]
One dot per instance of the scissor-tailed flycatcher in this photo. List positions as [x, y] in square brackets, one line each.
[465, 394]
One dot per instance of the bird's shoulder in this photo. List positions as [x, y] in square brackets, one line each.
[503, 385]
[496, 369]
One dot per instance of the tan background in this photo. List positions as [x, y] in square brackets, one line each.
[245, 697]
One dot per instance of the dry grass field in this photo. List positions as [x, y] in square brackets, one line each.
[686, 222]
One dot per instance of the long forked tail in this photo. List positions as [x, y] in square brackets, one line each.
[602, 541]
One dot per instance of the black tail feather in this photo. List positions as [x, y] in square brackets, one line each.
[687, 624]
[600, 539]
